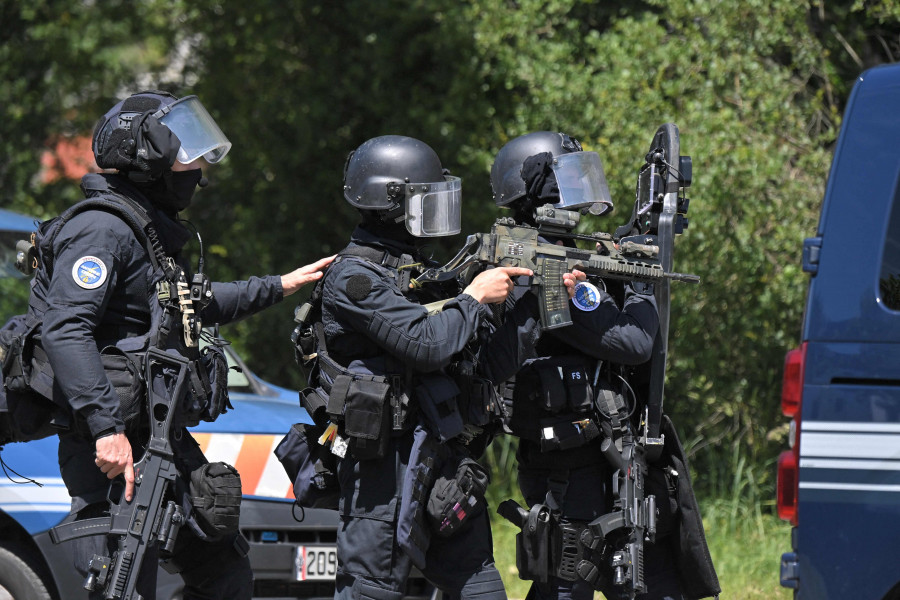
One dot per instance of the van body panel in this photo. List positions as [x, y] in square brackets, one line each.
[848, 511]
[843, 296]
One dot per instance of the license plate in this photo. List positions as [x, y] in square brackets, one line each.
[315, 563]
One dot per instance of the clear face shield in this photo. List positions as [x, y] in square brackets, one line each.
[582, 182]
[434, 209]
[196, 130]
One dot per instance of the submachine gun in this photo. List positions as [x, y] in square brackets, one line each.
[611, 547]
[148, 518]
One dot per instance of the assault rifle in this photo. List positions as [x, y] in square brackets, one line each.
[147, 518]
[512, 245]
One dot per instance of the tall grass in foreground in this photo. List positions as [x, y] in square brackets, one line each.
[745, 539]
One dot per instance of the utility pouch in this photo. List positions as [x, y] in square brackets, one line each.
[454, 501]
[216, 498]
[367, 421]
[214, 365]
[483, 405]
[17, 349]
[25, 415]
[573, 553]
[316, 406]
[128, 381]
[553, 389]
[310, 466]
[578, 388]
[436, 395]
[564, 384]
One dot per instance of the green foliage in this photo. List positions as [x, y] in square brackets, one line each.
[756, 87]
[62, 63]
[13, 297]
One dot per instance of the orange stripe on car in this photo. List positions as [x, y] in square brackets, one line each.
[252, 455]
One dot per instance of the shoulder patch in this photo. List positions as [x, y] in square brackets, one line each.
[587, 296]
[89, 272]
[359, 286]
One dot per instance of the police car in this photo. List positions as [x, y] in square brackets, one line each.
[292, 551]
[839, 484]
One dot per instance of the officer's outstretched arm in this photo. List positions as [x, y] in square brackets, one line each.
[296, 279]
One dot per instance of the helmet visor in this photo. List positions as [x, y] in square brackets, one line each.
[582, 182]
[196, 130]
[433, 209]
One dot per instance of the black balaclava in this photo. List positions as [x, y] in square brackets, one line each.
[173, 191]
[392, 235]
[540, 187]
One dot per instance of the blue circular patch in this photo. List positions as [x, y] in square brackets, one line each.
[89, 272]
[587, 296]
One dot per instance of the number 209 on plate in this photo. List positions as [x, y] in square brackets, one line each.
[313, 563]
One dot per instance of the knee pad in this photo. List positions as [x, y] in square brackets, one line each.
[484, 585]
[363, 590]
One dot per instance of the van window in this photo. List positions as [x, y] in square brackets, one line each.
[889, 284]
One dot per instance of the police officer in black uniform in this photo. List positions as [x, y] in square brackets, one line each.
[560, 460]
[378, 329]
[100, 297]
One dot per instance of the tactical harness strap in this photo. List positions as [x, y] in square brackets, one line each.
[133, 214]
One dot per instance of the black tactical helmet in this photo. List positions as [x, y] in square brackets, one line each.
[376, 171]
[506, 172]
[127, 138]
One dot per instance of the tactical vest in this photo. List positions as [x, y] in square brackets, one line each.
[369, 408]
[361, 411]
[565, 402]
[174, 326]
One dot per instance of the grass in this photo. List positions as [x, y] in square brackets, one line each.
[746, 547]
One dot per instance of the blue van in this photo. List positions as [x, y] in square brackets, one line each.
[291, 558]
[839, 484]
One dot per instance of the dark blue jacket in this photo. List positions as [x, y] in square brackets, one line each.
[368, 319]
[115, 302]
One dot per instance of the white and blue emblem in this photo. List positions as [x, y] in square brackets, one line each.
[587, 296]
[89, 272]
